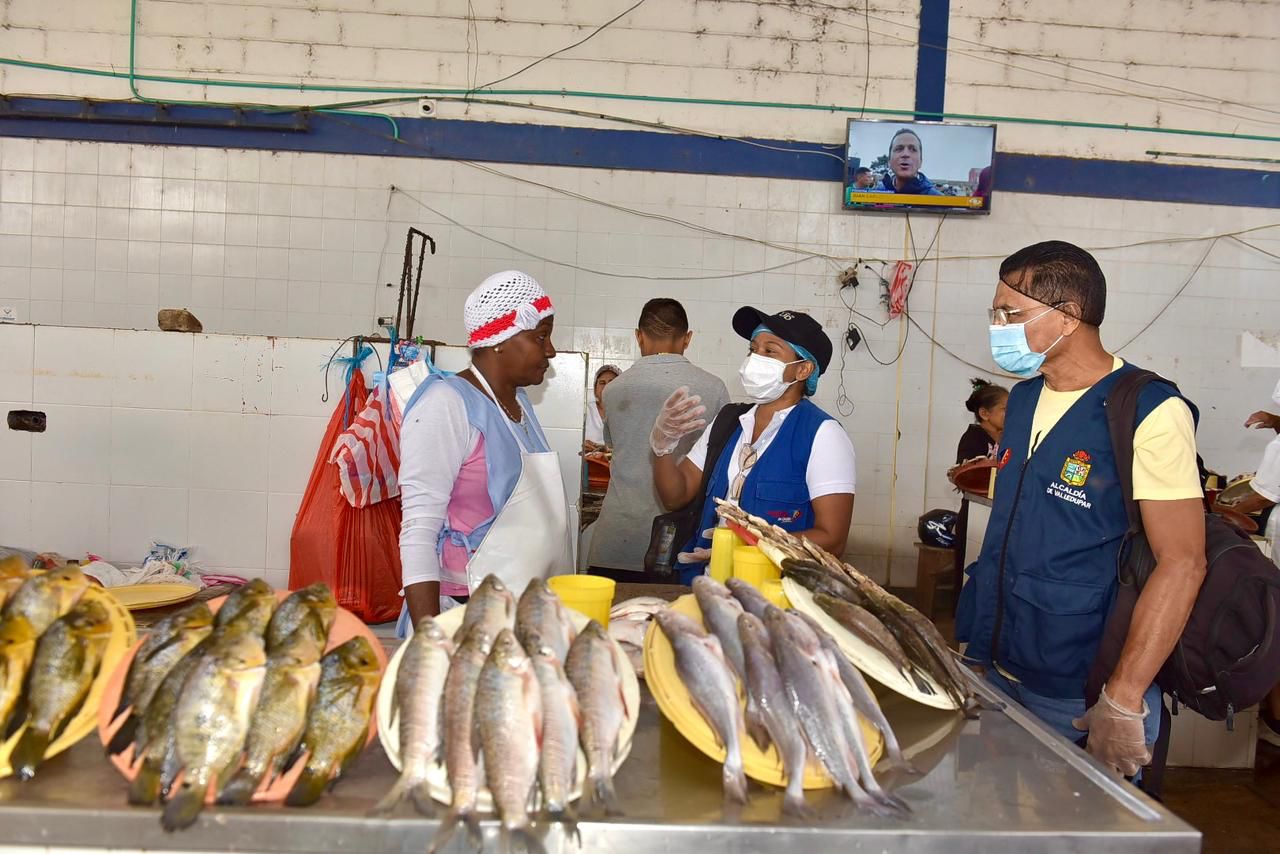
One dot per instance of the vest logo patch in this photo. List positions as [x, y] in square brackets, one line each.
[1075, 471]
[1004, 460]
[783, 517]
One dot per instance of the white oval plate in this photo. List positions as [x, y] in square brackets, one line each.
[866, 658]
[438, 777]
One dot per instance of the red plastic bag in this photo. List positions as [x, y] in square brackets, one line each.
[356, 551]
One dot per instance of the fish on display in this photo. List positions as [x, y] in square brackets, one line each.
[861, 695]
[751, 599]
[706, 674]
[278, 721]
[313, 606]
[491, 606]
[249, 604]
[541, 613]
[639, 606]
[595, 670]
[720, 612]
[764, 685]
[67, 658]
[13, 573]
[860, 623]
[17, 648]
[165, 645]
[561, 721]
[806, 674]
[508, 712]
[460, 751]
[211, 721]
[418, 704]
[338, 724]
[43, 598]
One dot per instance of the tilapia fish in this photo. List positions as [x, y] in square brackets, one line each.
[720, 612]
[288, 689]
[249, 604]
[167, 642]
[764, 685]
[211, 721]
[45, 597]
[702, 668]
[417, 706]
[595, 670]
[312, 608]
[459, 725]
[558, 769]
[338, 724]
[807, 675]
[17, 648]
[540, 612]
[509, 724]
[66, 660]
[490, 606]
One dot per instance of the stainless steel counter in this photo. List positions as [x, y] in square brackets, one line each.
[998, 784]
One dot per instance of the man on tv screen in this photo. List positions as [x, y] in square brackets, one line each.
[863, 179]
[906, 154]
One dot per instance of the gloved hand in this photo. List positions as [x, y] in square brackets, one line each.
[697, 555]
[1116, 736]
[680, 416]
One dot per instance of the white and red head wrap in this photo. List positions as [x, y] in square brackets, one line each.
[504, 305]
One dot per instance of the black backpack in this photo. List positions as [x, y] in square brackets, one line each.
[1228, 657]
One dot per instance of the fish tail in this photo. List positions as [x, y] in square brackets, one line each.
[144, 791]
[399, 794]
[308, 789]
[603, 795]
[522, 839]
[735, 783]
[183, 808]
[449, 827]
[422, 801]
[124, 737]
[793, 804]
[239, 789]
[568, 820]
[28, 753]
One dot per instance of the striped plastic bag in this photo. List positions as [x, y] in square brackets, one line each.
[367, 453]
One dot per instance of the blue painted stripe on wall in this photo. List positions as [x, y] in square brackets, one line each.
[931, 57]
[630, 149]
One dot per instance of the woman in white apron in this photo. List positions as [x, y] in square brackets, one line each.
[480, 487]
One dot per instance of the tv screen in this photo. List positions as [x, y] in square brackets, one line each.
[930, 167]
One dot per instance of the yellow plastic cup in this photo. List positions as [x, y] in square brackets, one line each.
[723, 542]
[772, 590]
[750, 564]
[587, 594]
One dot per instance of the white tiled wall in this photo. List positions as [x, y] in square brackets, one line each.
[202, 440]
[323, 231]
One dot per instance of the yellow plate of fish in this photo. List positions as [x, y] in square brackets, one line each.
[139, 597]
[673, 699]
[438, 780]
[123, 634]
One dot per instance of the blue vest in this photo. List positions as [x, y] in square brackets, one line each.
[1038, 597]
[775, 488]
[501, 450]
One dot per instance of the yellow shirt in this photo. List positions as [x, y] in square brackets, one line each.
[1164, 445]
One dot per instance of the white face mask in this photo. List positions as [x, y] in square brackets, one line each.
[762, 377]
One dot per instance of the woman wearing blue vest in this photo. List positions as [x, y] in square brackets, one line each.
[480, 486]
[787, 460]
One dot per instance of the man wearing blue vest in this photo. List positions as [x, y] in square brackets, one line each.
[1037, 599]
[785, 460]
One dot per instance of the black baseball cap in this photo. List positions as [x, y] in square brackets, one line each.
[794, 327]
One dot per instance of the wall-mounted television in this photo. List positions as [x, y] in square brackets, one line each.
[926, 167]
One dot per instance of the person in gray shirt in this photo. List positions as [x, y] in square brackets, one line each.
[621, 535]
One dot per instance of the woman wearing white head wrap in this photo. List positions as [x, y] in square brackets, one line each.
[480, 487]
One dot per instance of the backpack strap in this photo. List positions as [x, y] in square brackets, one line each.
[722, 429]
[1122, 423]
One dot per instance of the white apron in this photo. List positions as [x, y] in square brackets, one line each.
[529, 538]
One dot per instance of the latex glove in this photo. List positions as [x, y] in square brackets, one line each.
[680, 416]
[1116, 736]
[697, 555]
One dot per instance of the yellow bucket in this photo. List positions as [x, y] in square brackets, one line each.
[587, 594]
[750, 564]
[772, 590]
[723, 542]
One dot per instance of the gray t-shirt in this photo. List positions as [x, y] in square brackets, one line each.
[631, 403]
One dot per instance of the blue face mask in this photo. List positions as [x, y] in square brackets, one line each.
[1010, 350]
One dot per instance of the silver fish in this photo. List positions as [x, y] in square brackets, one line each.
[509, 724]
[459, 748]
[764, 684]
[704, 671]
[541, 613]
[418, 705]
[720, 612]
[751, 599]
[595, 670]
[561, 719]
[491, 606]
